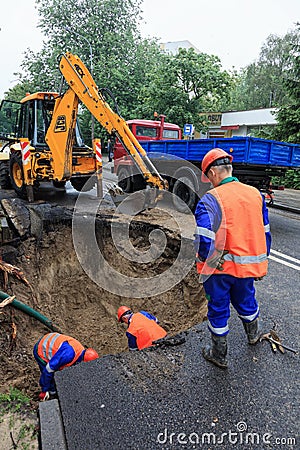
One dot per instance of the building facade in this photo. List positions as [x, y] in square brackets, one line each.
[237, 123]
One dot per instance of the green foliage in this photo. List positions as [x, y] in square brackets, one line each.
[13, 400]
[291, 179]
[19, 91]
[14, 405]
[261, 84]
[263, 132]
[182, 86]
[288, 128]
[288, 116]
[105, 35]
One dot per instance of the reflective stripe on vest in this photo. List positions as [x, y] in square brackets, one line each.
[51, 342]
[245, 259]
[47, 343]
[145, 330]
[241, 233]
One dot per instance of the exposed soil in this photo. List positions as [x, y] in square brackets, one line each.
[63, 292]
[19, 430]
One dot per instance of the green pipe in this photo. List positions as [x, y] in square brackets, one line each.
[31, 312]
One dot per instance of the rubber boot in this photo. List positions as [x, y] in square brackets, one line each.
[253, 331]
[216, 353]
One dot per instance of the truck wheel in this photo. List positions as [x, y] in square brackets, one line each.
[59, 184]
[84, 184]
[16, 175]
[138, 183]
[5, 182]
[124, 180]
[184, 191]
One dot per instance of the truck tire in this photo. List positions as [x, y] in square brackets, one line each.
[184, 191]
[84, 184]
[138, 183]
[17, 175]
[5, 182]
[59, 184]
[125, 180]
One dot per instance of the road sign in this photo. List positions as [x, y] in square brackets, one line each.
[188, 129]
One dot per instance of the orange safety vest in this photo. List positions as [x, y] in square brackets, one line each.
[50, 343]
[145, 330]
[241, 232]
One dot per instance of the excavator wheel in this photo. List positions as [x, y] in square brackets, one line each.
[17, 175]
[5, 182]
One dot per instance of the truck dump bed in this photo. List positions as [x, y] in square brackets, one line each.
[245, 150]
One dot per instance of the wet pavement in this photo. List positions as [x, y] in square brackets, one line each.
[287, 197]
[172, 398]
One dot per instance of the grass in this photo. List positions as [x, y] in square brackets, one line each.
[14, 405]
[13, 401]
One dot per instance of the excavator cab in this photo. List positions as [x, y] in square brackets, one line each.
[9, 118]
[31, 118]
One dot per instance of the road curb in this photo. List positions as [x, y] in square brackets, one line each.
[51, 426]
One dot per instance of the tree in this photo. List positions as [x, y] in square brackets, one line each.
[183, 86]
[19, 91]
[261, 83]
[288, 116]
[107, 31]
[141, 77]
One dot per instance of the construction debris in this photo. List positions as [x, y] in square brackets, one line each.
[7, 301]
[13, 270]
[275, 342]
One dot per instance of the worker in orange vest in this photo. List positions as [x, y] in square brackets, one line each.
[142, 329]
[55, 351]
[232, 242]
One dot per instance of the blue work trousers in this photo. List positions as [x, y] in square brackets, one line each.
[220, 291]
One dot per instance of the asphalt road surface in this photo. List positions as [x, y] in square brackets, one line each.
[171, 398]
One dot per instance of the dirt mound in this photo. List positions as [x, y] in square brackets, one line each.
[63, 292]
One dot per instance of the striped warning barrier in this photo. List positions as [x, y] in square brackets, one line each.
[98, 152]
[25, 152]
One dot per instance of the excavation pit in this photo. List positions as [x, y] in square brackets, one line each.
[61, 289]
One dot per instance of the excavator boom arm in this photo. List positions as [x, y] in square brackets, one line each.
[82, 83]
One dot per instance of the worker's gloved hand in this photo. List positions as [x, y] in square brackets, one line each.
[43, 396]
[217, 259]
[258, 278]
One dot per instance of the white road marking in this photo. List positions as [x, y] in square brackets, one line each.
[281, 261]
[282, 255]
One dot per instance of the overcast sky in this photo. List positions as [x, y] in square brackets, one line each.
[234, 30]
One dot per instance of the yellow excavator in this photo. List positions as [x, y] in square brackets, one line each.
[42, 140]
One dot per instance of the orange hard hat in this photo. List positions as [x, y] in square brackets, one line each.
[210, 159]
[90, 354]
[122, 312]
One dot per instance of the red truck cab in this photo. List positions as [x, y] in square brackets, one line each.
[143, 130]
[149, 130]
